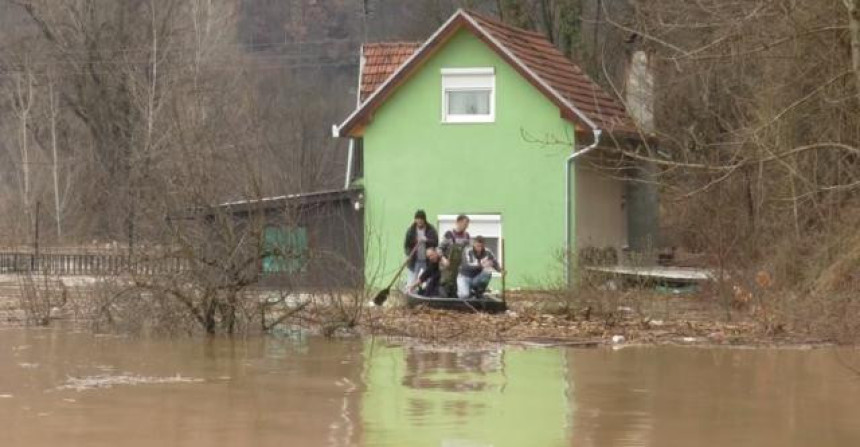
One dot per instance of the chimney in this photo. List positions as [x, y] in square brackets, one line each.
[640, 91]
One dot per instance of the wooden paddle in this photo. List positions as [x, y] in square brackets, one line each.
[504, 272]
[380, 297]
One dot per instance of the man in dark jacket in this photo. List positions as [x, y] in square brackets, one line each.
[427, 283]
[419, 237]
[476, 269]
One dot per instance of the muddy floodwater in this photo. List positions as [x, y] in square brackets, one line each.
[65, 388]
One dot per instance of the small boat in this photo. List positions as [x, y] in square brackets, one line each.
[488, 302]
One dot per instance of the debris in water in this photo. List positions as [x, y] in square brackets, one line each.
[28, 365]
[717, 336]
[109, 381]
[6, 396]
[618, 339]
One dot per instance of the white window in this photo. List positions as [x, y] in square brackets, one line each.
[487, 225]
[468, 95]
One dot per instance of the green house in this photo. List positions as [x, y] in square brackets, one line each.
[491, 121]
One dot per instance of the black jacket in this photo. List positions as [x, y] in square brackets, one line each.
[412, 239]
[471, 266]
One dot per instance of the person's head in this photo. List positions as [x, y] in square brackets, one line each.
[462, 223]
[420, 219]
[479, 243]
[432, 255]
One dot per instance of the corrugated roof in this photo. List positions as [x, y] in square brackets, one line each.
[387, 65]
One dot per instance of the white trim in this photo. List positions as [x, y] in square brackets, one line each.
[478, 71]
[489, 219]
[362, 60]
[568, 209]
[473, 79]
[349, 159]
[468, 119]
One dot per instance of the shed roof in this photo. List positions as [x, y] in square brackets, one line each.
[386, 66]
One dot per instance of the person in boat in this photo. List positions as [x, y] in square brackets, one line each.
[419, 237]
[427, 283]
[476, 269]
[451, 250]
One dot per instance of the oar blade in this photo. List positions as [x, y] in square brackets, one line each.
[380, 297]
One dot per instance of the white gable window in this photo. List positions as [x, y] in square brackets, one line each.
[468, 95]
[487, 225]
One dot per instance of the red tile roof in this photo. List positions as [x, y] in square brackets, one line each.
[380, 61]
[565, 77]
[580, 99]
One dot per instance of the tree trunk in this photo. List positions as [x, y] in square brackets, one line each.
[55, 161]
[854, 29]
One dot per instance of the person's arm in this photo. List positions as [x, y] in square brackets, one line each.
[422, 277]
[443, 248]
[413, 286]
[408, 242]
[492, 258]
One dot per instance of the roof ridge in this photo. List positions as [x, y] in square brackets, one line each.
[395, 42]
[498, 22]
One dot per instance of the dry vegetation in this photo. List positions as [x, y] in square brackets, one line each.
[121, 118]
[756, 105]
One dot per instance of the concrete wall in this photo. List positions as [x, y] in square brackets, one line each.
[601, 211]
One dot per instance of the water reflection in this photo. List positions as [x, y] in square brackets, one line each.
[716, 397]
[316, 392]
[430, 396]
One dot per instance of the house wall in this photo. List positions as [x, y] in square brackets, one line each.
[334, 243]
[601, 211]
[412, 160]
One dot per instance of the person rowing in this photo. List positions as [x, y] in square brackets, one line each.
[427, 283]
[420, 236]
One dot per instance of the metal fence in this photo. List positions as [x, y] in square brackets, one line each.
[86, 264]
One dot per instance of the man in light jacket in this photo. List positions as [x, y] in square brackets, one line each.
[476, 269]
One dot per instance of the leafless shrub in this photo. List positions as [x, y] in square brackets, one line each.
[42, 297]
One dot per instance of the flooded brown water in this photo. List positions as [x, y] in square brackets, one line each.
[62, 388]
